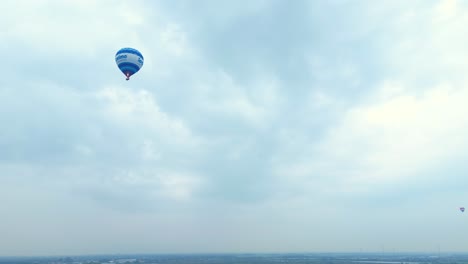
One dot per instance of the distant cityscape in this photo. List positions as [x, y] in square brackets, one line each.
[316, 258]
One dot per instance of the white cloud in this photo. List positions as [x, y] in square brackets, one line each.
[84, 150]
[138, 110]
[71, 27]
[149, 151]
[391, 139]
[426, 43]
[255, 103]
[159, 183]
[410, 124]
[174, 40]
[445, 10]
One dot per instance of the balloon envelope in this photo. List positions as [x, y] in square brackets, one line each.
[462, 209]
[129, 61]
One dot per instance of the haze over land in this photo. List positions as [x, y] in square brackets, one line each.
[253, 126]
[297, 258]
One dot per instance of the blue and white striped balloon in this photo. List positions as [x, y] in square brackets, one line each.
[129, 61]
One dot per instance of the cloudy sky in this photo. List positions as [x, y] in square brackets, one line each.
[254, 126]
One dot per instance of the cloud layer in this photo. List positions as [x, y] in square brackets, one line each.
[268, 127]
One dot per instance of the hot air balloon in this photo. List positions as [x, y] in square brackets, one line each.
[129, 61]
[462, 209]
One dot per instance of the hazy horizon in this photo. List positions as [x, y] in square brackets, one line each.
[374, 255]
[255, 126]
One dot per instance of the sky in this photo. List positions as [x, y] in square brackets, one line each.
[254, 126]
